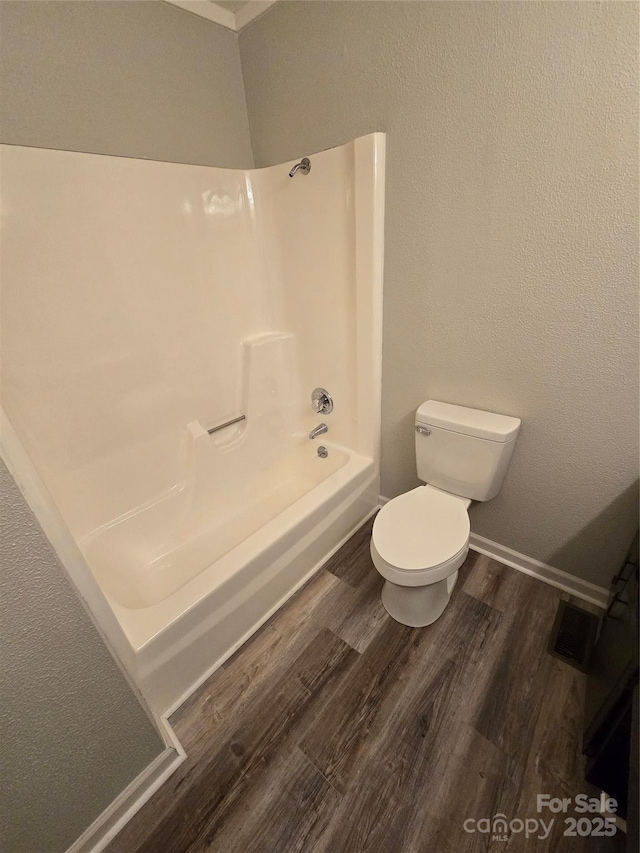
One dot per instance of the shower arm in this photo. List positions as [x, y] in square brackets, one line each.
[304, 167]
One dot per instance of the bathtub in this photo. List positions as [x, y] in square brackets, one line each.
[185, 611]
[170, 299]
[193, 571]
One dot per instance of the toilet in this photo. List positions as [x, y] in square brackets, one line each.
[421, 538]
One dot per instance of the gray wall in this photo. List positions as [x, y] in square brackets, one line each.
[73, 732]
[140, 79]
[511, 233]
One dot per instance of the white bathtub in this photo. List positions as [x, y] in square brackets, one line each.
[167, 299]
[149, 554]
[213, 604]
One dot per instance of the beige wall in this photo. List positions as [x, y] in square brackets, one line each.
[511, 233]
[73, 732]
[140, 79]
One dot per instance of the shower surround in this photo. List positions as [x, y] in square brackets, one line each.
[145, 303]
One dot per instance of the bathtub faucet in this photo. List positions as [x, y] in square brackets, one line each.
[318, 430]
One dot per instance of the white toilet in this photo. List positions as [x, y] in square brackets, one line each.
[421, 538]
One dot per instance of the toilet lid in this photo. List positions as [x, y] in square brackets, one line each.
[421, 529]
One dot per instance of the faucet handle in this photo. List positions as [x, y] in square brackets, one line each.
[321, 401]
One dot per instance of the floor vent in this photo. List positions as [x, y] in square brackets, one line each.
[573, 635]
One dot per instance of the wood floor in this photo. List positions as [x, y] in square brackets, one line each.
[337, 729]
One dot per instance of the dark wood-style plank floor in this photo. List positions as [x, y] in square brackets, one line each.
[337, 729]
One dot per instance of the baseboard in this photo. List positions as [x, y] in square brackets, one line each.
[118, 813]
[549, 574]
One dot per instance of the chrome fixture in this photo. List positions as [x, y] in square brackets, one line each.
[226, 424]
[319, 430]
[321, 401]
[423, 430]
[304, 166]
[323, 452]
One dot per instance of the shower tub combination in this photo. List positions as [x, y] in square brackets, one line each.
[146, 304]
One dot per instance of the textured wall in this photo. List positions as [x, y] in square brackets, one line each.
[140, 79]
[511, 232]
[73, 733]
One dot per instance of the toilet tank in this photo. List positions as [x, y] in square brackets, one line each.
[463, 451]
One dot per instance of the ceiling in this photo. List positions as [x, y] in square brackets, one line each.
[232, 15]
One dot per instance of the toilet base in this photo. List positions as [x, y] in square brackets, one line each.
[417, 606]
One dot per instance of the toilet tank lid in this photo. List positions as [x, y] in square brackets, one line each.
[468, 421]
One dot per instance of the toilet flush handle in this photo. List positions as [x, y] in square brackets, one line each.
[423, 430]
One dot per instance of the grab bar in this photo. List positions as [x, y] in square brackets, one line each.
[226, 424]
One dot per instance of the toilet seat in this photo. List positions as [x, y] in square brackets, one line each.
[421, 537]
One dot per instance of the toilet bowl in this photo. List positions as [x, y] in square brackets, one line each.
[421, 538]
[419, 541]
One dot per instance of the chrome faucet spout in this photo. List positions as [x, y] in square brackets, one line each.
[319, 430]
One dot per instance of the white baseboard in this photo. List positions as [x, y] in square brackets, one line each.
[108, 824]
[549, 574]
